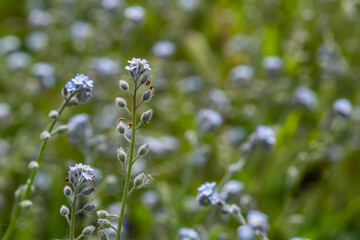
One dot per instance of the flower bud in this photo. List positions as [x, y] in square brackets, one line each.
[67, 191]
[121, 128]
[146, 116]
[62, 129]
[120, 102]
[33, 165]
[102, 214]
[103, 236]
[89, 207]
[45, 135]
[146, 95]
[141, 180]
[53, 114]
[121, 155]
[144, 149]
[87, 191]
[26, 204]
[104, 223]
[124, 85]
[144, 79]
[64, 210]
[88, 230]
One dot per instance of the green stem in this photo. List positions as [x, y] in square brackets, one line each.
[72, 223]
[128, 174]
[16, 211]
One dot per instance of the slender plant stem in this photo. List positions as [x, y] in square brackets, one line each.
[16, 211]
[128, 173]
[72, 223]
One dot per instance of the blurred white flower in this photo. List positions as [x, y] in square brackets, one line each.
[18, 60]
[80, 30]
[37, 40]
[135, 13]
[39, 17]
[164, 49]
[9, 43]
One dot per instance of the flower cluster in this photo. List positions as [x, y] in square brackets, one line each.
[138, 67]
[81, 173]
[207, 194]
[81, 86]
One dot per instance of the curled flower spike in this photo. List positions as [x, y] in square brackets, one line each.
[137, 67]
[207, 195]
[81, 84]
[81, 173]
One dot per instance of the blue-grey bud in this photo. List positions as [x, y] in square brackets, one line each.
[102, 214]
[103, 236]
[67, 191]
[64, 210]
[144, 149]
[88, 230]
[144, 79]
[104, 223]
[121, 155]
[45, 135]
[120, 102]
[147, 95]
[87, 191]
[121, 128]
[33, 165]
[146, 116]
[141, 180]
[89, 207]
[123, 85]
[53, 114]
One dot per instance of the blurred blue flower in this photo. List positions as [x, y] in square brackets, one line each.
[105, 66]
[188, 234]
[241, 74]
[39, 17]
[37, 40]
[207, 195]
[245, 232]
[265, 136]
[18, 60]
[299, 238]
[164, 49]
[80, 30]
[208, 119]
[135, 13]
[231, 188]
[306, 97]
[343, 107]
[272, 64]
[258, 220]
[9, 43]
[111, 4]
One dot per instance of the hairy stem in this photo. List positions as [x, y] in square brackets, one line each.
[128, 173]
[72, 223]
[16, 211]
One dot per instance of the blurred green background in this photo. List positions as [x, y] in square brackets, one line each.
[306, 184]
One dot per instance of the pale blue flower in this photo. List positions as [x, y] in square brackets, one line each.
[135, 13]
[265, 136]
[245, 232]
[343, 107]
[305, 97]
[207, 194]
[188, 234]
[164, 49]
[258, 220]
